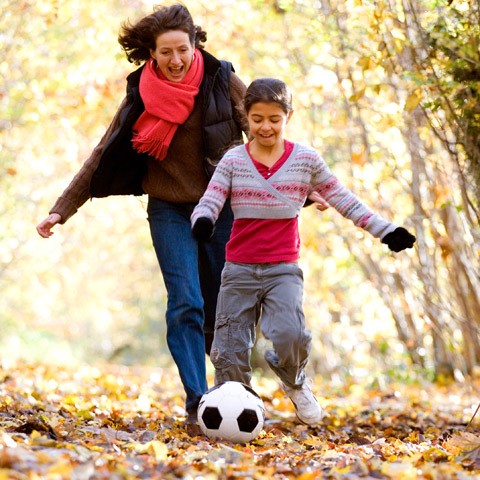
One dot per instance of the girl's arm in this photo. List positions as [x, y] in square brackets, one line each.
[206, 213]
[347, 203]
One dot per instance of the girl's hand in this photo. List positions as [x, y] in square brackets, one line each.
[320, 203]
[44, 228]
[203, 229]
[399, 239]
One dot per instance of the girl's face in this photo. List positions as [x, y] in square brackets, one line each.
[174, 54]
[267, 122]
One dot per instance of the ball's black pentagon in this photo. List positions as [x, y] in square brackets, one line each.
[247, 420]
[251, 390]
[215, 387]
[212, 418]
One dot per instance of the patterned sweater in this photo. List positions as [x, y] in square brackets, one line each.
[284, 193]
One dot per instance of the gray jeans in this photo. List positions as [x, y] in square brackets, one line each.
[271, 294]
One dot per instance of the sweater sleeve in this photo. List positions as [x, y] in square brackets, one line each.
[347, 203]
[217, 192]
[78, 191]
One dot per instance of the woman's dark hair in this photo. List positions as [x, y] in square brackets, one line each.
[139, 38]
[268, 90]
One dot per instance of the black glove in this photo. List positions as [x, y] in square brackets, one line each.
[399, 239]
[203, 229]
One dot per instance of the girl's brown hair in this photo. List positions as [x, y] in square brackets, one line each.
[268, 90]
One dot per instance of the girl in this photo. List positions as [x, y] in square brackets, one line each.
[268, 181]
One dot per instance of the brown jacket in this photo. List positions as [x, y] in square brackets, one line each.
[179, 178]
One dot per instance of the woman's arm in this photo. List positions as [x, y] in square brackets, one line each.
[78, 191]
[237, 93]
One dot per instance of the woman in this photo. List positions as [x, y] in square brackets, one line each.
[178, 117]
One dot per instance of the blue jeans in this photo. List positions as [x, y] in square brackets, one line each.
[191, 272]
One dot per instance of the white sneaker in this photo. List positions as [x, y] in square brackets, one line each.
[307, 409]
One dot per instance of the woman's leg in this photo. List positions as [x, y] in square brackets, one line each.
[177, 254]
[211, 262]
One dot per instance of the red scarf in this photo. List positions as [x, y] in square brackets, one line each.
[167, 105]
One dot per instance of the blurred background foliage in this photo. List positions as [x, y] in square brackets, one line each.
[386, 90]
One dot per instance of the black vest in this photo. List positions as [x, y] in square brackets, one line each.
[121, 169]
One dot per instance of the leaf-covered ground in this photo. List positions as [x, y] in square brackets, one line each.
[120, 423]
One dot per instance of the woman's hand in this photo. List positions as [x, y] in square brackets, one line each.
[320, 203]
[44, 228]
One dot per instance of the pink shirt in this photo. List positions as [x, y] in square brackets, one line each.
[256, 240]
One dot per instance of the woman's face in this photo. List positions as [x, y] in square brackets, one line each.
[174, 54]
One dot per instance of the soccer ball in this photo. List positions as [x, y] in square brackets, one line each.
[231, 411]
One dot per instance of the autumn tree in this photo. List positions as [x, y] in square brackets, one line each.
[387, 91]
[389, 61]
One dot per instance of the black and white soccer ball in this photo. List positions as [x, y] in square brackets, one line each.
[231, 411]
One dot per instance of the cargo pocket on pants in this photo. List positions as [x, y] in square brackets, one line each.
[219, 355]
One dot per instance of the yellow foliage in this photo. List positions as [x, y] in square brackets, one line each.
[413, 100]
[158, 450]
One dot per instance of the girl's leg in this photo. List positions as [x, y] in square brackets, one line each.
[283, 323]
[238, 310]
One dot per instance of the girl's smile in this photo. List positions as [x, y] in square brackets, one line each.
[267, 122]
